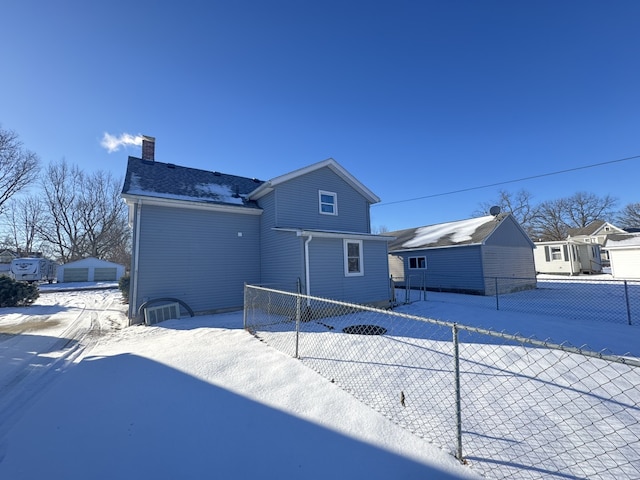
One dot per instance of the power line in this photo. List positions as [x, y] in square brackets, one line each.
[508, 181]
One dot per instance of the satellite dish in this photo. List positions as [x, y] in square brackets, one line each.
[495, 210]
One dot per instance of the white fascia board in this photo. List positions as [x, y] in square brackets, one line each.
[326, 234]
[268, 186]
[416, 249]
[175, 203]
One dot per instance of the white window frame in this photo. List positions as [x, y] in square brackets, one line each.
[555, 253]
[334, 204]
[360, 271]
[417, 261]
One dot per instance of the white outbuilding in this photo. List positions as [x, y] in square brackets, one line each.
[624, 252]
[90, 269]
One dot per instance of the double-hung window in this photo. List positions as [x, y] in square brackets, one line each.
[328, 202]
[353, 258]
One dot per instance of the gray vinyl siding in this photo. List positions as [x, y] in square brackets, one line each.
[197, 256]
[297, 204]
[454, 269]
[512, 268]
[508, 234]
[282, 260]
[282, 253]
[326, 261]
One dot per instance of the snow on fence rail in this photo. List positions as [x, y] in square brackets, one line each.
[614, 301]
[508, 406]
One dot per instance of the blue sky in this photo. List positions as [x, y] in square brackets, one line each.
[414, 98]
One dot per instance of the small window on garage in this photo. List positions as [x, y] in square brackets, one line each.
[419, 263]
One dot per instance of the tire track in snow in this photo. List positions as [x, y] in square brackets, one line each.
[38, 371]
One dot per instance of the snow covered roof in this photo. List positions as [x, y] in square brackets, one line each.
[165, 180]
[622, 241]
[472, 231]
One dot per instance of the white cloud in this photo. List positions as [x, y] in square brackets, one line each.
[113, 142]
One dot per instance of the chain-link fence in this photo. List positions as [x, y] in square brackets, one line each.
[508, 406]
[615, 301]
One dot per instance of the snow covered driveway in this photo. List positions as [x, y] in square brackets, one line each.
[40, 341]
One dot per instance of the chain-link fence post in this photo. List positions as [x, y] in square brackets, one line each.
[497, 294]
[244, 310]
[456, 367]
[298, 314]
[626, 298]
[424, 287]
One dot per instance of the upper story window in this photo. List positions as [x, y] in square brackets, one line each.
[353, 258]
[418, 263]
[328, 202]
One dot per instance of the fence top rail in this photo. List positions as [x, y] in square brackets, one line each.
[631, 361]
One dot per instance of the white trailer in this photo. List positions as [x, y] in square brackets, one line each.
[33, 270]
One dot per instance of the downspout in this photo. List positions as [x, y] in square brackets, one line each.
[306, 267]
[134, 285]
[571, 257]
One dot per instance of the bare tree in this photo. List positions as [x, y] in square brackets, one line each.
[629, 217]
[18, 167]
[555, 217]
[25, 215]
[582, 208]
[550, 224]
[519, 204]
[62, 185]
[103, 216]
[85, 215]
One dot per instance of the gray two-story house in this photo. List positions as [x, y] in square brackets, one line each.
[199, 236]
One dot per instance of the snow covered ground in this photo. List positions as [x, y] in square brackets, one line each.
[83, 397]
[180, 400]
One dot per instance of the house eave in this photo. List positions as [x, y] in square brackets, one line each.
[269, 185]
[335, 234]
[435, 247]
[177, 203]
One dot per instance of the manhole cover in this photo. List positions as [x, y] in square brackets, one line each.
[365, 330]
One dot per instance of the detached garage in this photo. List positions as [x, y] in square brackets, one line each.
[476, 256]
[624, 253]
[90, 270]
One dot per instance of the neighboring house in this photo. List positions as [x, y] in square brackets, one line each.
[567, 257]
[624, 251]
[467, 256]
[595, 233]
[199, 236]
[90, 269]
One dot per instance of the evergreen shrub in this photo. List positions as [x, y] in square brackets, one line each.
[123, 285]
[17, 294]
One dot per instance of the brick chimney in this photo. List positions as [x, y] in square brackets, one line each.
[148, 148]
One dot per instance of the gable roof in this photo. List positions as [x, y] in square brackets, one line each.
[268, 186]
[148, 178]
[92, 261]
[473, 231]
[592, 229]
